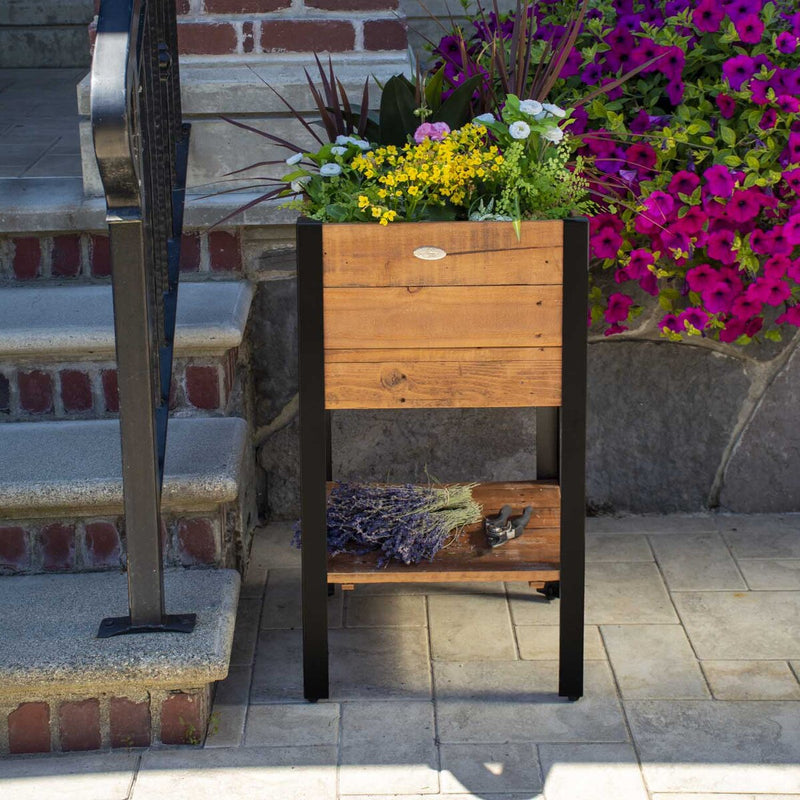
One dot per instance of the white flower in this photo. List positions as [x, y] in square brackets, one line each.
[556, 111]
[299, 184]
[519, 130]
[342, 139]
[531, 107]
[482, 119]
[360, 143]
[329, 170]
[554, 134]
[295, 159]
[338, 150]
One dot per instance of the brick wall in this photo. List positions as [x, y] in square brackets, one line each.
[257, 27]
[35, 546]
[86, 255]
[125, 718]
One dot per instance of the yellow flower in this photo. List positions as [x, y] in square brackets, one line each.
[413, 190]
[376, 211]
[363, 201]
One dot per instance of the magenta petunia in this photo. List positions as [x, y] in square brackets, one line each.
[793, 146]
[720, 246]
[718, 297]
[606, 243]
[640, 262]
[659, 205]
[790, 317]
[707, 16]
[649, 283]
[737, 9]
[769, 119]
[787, 104]
[777, 266]
[793, 270]
[745, 307]
[676, 241]
[669, 322]
[738, 70]
[618, 307]
[692, 221]
[759, 92]
[701, 277]
[786, 42]
[734, 328]
[674, 91]
[684, 182]
[719, 181]
[726, 105]
[750, 29]
[641, 156]
[613, 329]
[779, 241]
[760, 241]
[743, 205]
[791, 229]
[771, 291]
[695, 317]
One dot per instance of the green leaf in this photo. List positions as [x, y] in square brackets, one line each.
[773, 336]
[397, 120]
[728, 135]
[433, 90]
[455, 111]
[733, 161]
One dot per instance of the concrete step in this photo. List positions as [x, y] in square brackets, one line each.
[57, 356]
[61, 495]
[67, 690]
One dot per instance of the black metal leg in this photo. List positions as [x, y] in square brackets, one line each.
[314, 461]
[572, 472]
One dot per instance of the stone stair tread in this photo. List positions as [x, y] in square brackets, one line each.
[75, 467]
[58, 616]
[73, 321]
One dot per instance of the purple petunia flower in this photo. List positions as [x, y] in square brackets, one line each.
[618, 308]
[726, 105]
[684, 182]
[786, 42]
[738, 70]
[743, 205]
[707, 16]
[695, 317]
[750, 29]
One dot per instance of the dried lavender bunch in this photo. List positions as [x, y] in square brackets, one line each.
[409, 523]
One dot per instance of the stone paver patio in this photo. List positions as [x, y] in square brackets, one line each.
[692, 692]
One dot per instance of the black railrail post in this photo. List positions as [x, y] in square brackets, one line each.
[314, 460]
[141, 145]
[572, 457]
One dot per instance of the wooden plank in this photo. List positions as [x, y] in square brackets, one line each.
[532, 557]
[478, 253]
[443, 317]
[404, 383]
[459, 355]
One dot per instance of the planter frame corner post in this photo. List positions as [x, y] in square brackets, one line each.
[314, 459]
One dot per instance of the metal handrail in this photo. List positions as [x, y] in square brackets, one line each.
[142, 145]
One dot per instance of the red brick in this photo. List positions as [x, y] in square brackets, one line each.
[66, 256]
[202, 387]
[14, 552]
[183, 718]
[58, 547]
[101, 257]
[35, 392]
[244, 6]
[385, 34]
[190, 253]
[224, 251]
[103, 545]
[207, 38]
[29, 728]
[110, 389]
[27, 258]
[79, 725]
[306, 36]
[352, 5]
[130, 723]
[196, 542]
[76, 390]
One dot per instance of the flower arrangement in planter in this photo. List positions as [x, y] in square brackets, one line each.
[699, 157]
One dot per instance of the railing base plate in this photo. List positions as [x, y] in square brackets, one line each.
[170, 623]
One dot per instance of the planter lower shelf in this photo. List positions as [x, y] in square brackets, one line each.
[534, 557]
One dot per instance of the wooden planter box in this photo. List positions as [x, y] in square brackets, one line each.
[449, 315]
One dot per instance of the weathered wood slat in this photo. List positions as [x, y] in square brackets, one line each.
[443, 317]
[410, 383]
[459, 354]
[478, 254]
[532, 557]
